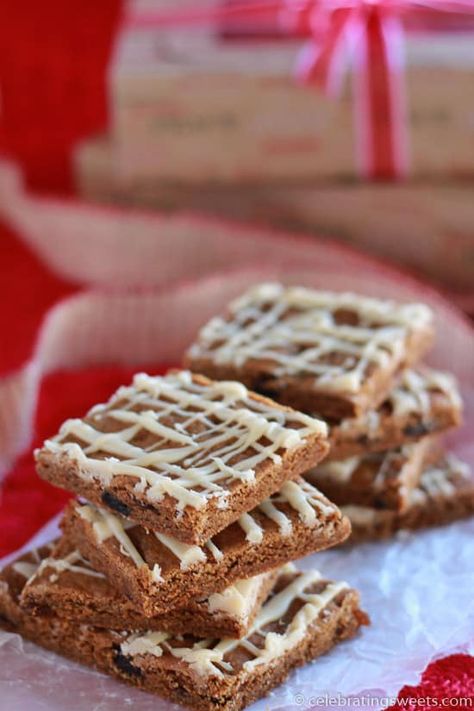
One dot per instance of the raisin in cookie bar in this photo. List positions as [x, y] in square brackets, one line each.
[445, 494]
[423, 402]
[66, 584]
[159, 572]
[181, 454]
[378, 479]
[336, 354]
[304, 617]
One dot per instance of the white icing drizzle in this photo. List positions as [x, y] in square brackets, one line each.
[32, 571]
[277, 644]
[362, 515]
[411, 396]
[206, 659]
[105, 525]
[254, 533]
[215, 439]
[305, 499]
[277, 516]
[337, 470]
[68, 564]
[295, 328]
[188, 555]
[23, 567]
[437, 480]
[238, 599]
[28, 569]
[144, 644]
[214, 551]
[413, 392]
[399, 460]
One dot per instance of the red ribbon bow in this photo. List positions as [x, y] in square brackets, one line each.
[371, 34]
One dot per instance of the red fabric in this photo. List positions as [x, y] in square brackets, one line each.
[52, 61]
[53, 56]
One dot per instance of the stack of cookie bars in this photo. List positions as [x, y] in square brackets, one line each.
[173, 571]
[354, 362]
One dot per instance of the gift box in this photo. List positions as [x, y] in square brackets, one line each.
[208, 119]
[191, 106]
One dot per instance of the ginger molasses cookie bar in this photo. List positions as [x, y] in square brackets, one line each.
[64, 583]
[159, 572]
[181, 454]
[333, 353]
[424, 401]
[377, 479]
[304, 617]
[444, 494]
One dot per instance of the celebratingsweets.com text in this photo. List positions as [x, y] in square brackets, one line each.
[382, 702]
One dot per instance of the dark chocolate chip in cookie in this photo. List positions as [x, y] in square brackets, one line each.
[115, 504]
[124, 664]
[417, 430]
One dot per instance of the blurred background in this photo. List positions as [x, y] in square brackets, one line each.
[355, 127]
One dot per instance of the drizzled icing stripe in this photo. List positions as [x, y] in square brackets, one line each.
[31, 571]
[105, 525]
[415, 388]
[411, 396]
[208, 660]
[25, 568]
[303, 498]
[214, 440]
[295, 328]
[437, 480]
[338, 470]
[382, 465]
[188, 555]
[238, 599]
[277, 516]
[29, 568]
[254, 533]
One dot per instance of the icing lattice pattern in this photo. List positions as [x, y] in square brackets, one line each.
[441, 481]
[382, 465]
[412, 396]
[300, 495]
[73, 563]
[333, 338]
[262, 643]
[182, 436]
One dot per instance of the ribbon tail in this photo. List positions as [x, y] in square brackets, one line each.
[380, 99]
[323, 63]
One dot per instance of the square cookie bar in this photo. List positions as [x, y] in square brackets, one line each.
[181, 454]
[336, 354]
[444, 494]
[303, 618]
[424, 401]
[159, 573]
[378, 479]
[64, 583]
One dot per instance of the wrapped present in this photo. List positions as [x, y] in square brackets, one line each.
[206, 115]
[191, 105]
